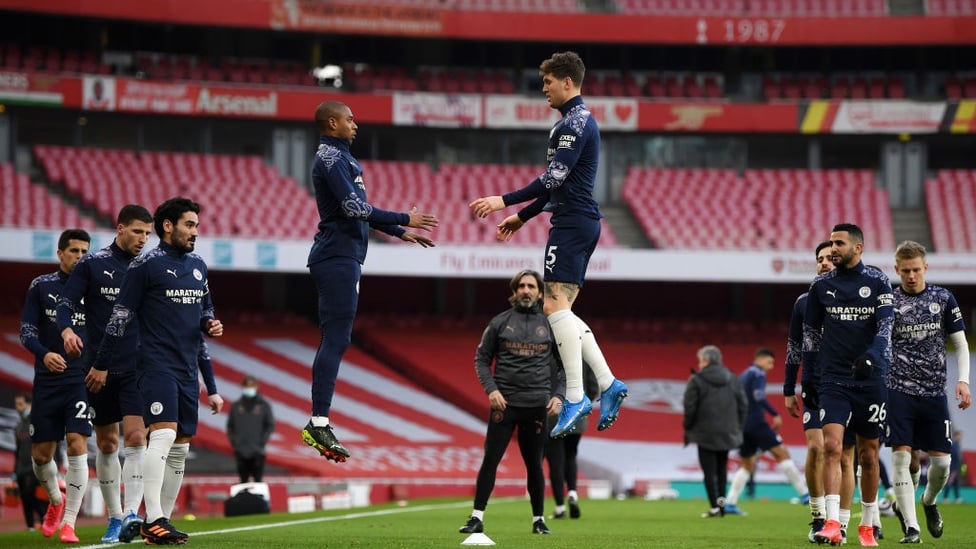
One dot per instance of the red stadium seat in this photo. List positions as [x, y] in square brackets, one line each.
[660, 198]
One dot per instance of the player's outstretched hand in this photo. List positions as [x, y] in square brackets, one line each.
[420, 220]
[485, 205]
[963, 396]
[216, 403]
[506, 229]
[417, 239]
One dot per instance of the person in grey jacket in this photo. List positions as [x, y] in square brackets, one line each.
[249, 426]
[521, 393]
[715, 410]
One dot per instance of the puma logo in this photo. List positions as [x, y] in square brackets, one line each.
[75, 486]
[110, 274]
[53, 297]
[832, 293]
[172, 272]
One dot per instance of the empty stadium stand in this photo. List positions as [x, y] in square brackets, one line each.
[950, 8]
[447, 193]
[511, 6]
[245, 198]
[24, 204]
[837, 86]
[759, 210]
[35, 58]
[377, 78]
[761, 8]
[242, 196]
[655, 372]
[950, 200]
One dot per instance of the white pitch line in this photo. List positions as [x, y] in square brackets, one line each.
[349, 516]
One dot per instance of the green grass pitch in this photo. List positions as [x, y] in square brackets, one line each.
[605, 524]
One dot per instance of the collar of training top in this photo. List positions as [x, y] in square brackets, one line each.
[334, 141]
[567, 106]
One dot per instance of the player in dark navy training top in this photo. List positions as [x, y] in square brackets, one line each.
[60, 401]
[91, 290]
[566, 190]
[337, 256]
[926, 316]
[847, 337]
[758, 436]
[812, 427]
[165, 292]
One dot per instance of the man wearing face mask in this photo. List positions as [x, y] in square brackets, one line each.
[249, 426]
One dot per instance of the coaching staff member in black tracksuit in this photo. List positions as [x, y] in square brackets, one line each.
[520, 392]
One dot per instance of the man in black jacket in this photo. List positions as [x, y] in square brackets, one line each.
[34, 508]
[520, 393]
[249, 426]
[715, 411]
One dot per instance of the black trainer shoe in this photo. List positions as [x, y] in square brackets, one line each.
[558, 515]
[539, 527]
[878, 533]
[161, 532]
[574, 510]
[933, 519]
[816, 525]
[474, 526]
[912, 536]
[901, 517]
[323, 440]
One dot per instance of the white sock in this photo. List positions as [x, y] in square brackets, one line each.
[817, 507]
[534, 519]
[320, 421]
[560, 509]
[832, 503]
[570, 346]
[843, 517]
[901, 479]
[739, 481]
[480, 515]
[938, 476]
[593, 356]
[173, 477]
[76, 482]
[868, 512]
[109, 471]
[153, 469]
[572, 495]
[793, 474]
[916, 478]
[47, 476]
[132, 477]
